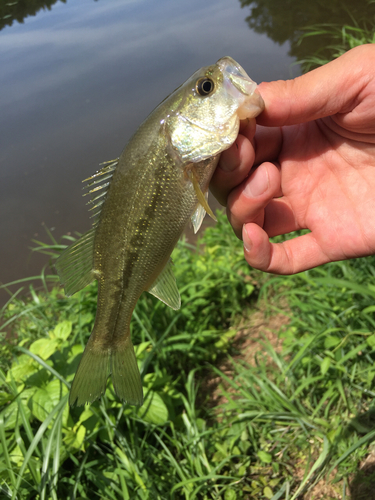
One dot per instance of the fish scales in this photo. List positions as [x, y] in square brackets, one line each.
[141, 247]
[158, 184]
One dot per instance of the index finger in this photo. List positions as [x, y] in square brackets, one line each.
[325, 91]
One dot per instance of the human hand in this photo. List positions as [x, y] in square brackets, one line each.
[315, 151]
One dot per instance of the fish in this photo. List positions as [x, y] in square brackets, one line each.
[141, 204]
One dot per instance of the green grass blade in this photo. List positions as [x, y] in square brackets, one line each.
[38, 436]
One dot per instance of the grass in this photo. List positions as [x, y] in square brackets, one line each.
[283, 422]
[51, 451]
[343, 38]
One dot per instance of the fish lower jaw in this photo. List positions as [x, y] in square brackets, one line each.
[251, 107]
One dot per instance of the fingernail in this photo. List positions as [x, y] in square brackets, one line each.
[258, 183]
[247, 243]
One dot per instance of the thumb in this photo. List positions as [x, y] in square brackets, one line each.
[325, 91]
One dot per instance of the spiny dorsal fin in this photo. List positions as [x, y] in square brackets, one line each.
[98, 185]
[75, 264]
[165, 287]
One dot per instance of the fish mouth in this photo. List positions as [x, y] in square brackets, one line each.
[241, 87]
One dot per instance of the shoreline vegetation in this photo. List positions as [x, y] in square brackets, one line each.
[260, 387]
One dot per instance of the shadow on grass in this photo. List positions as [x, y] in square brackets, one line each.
[362, 487]
[362, 484]
[362, 481]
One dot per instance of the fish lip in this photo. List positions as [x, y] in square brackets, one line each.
[251, 102]
[237, 75]
[227, 61]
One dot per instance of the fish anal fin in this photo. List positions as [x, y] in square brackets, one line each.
[75, 264]
[202, 198]
[165, 287]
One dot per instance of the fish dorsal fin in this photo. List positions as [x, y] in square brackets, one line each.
[98, 185]
[165, 287]
[75, 264]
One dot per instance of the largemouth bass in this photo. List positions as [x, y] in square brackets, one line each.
[142, 203]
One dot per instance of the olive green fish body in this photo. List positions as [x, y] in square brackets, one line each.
[157, 185]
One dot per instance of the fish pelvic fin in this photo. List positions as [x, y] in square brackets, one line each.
[97, 363]
[198, 215]
[202, 198]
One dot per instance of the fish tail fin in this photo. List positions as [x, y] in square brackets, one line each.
[90, 380]
[126, 378]
[97, 362]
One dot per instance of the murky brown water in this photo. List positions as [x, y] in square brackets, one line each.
[78, 77]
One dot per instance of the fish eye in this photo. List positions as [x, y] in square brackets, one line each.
[204, 86]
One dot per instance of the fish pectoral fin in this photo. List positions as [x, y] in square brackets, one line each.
[165, 288]
[75, 264]
[202, 198]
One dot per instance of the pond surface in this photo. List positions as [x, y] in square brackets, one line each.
[78, 77]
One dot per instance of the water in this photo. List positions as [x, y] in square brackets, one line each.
[76, 82]
[78, 77]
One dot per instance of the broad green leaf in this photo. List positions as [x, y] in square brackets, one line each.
[265, 457]
[74, 437]
[154, 409]
[45, 399]
[139, 348]
[74, 351]
[16, 456]
[11, 412]
[87, 413]
[230, 495]
[371, 340]
[44, 348]
[267, 492]
[22, 367]
[331, 341]
[325, 364]
[62, 330]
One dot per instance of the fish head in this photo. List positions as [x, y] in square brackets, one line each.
[208, 108]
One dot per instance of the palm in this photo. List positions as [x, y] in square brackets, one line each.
[328, 186]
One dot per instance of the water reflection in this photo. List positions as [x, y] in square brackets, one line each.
[283, 22]
[18, 10]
